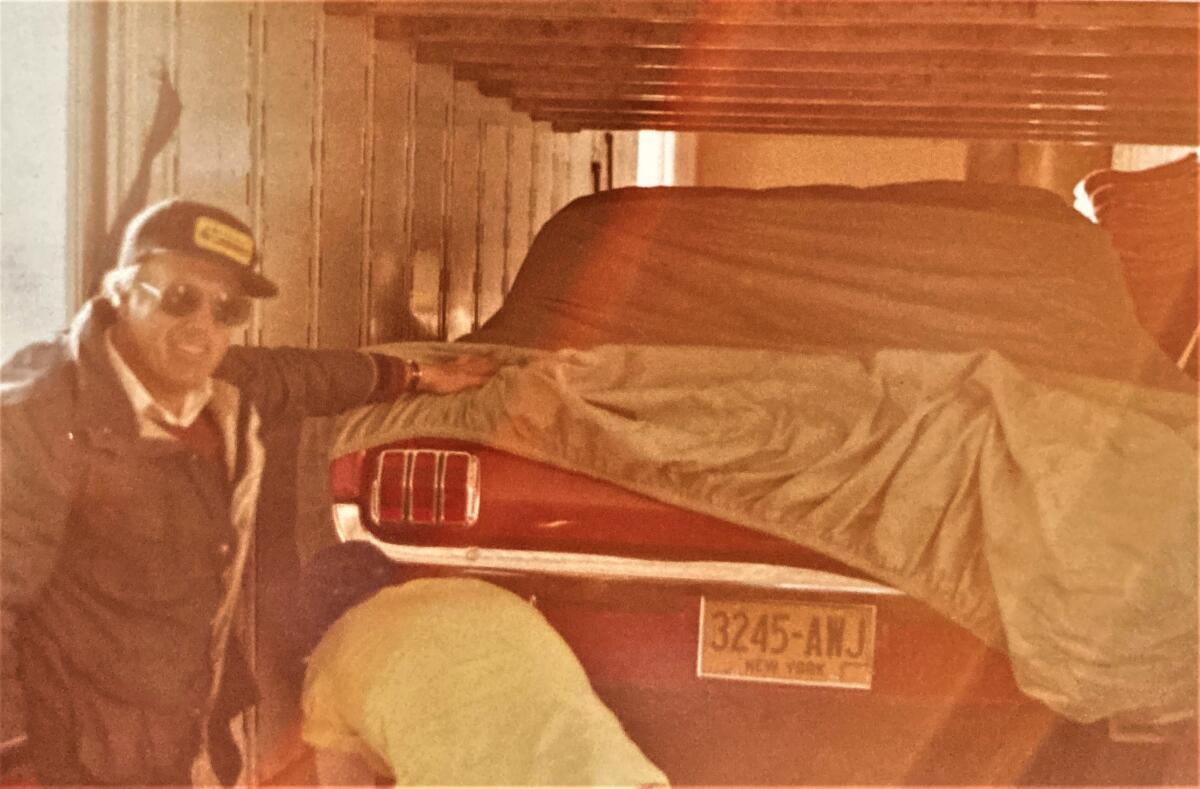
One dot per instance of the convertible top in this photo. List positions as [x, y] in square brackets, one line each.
[934, 265]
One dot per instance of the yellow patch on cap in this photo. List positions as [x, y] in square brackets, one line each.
[216, 236]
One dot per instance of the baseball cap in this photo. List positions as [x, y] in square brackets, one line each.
[201, 231]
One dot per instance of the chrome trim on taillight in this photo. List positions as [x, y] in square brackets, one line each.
[348, 523]
[475, 500]
[440, 462]
[410, 472]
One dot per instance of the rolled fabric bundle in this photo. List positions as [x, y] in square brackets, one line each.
[1181, 169]
[1151, 216]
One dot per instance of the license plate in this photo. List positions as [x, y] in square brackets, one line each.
[796, 643]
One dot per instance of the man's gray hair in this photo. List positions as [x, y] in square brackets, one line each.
[118, 282]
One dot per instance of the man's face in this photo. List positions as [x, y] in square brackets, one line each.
[175, 354]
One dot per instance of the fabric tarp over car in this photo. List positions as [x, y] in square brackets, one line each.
[941, 386]
[1055, 519]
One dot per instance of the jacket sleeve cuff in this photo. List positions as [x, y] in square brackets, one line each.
[394, 377]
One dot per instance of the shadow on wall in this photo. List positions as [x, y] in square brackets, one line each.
[1056, 167]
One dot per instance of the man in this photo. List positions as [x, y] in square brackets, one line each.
[132, 461]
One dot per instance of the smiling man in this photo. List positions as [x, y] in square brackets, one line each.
[132, 466]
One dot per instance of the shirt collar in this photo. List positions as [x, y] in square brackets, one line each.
[148, 409]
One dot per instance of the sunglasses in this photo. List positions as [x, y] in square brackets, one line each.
[181, 299]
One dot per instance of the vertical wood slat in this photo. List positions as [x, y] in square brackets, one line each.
[685, 158]
[541, 204]
[213, 81]
[151, 48]
[367, 193]
[560, 186]
[463, 216]
[285, 215]
[434, 86]
[388, 317]
[579, 169]
[493, 208]
[600, 173]
[254, 193]
[624, 159]
[345, 45]
[315, 154]
[119, 139]
[520, 193]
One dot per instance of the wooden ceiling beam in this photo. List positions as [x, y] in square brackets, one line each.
[913, 132]
[1071, 13]
[889, 37]
[983, 95]
[917, 127]
[746, 82]
[862, 119]
[984, 65]
[1180, 120]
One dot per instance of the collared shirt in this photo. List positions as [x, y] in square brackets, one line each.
[150, 413]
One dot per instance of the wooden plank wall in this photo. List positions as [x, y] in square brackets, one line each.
[286, 210]
[342, 114]
[392, 201]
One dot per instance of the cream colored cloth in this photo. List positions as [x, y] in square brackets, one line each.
[458, 682]
[1053, 515]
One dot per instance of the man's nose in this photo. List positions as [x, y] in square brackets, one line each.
[205, 315]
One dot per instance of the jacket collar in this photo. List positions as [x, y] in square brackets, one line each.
[104, 408]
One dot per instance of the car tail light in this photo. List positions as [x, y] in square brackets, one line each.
[425, 487]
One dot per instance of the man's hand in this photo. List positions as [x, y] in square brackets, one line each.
[455, 375]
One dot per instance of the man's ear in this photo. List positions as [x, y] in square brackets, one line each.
[116, 287]
[119, 298]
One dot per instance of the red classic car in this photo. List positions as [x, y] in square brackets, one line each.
[897, 627]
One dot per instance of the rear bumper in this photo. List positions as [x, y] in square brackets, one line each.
[941, 708]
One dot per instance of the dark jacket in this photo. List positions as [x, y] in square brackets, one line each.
[122, 556]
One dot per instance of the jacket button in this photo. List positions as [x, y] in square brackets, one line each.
[223, 549]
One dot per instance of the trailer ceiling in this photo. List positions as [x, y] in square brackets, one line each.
[1107, 71]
